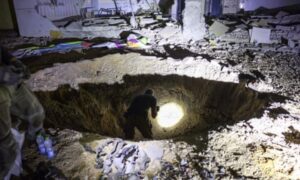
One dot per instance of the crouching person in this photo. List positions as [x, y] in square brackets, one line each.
[18, 100]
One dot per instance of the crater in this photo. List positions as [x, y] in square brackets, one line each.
[99, 108]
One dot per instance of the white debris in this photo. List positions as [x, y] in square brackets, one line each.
[260, 35]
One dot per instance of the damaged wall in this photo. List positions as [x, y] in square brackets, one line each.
[30, 23]
[231, 6]
[35, 17]
[251, 5]
[59, 9]
[124, 5]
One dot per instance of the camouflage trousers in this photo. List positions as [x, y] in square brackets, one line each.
[20, 102]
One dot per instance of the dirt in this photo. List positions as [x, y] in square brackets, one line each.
[99, 108]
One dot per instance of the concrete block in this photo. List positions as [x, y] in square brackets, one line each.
[218, 28]
[193, 20]
[294, 35]
[285, 28]
[281, 14]
[260, 35]
[231, 6]
[293, 43]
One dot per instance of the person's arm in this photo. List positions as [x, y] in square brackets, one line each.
[154, 109]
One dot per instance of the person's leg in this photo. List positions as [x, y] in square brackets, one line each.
[129, 128]
[27, 107]
[144, 126]
[8, 145]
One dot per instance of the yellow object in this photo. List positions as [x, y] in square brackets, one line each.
[212, 43]
[55, 34]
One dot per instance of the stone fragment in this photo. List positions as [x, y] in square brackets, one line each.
[218, 28]
[260, 35]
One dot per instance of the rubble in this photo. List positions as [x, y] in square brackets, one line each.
[193, 20]
[236, 36]
[218, 28]
[266, 59]
[260, 35]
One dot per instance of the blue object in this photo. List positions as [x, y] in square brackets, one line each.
[40, 142]
[49, 148]
[42, 149]
[50, 153]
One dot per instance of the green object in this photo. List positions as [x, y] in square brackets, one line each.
[32, 48]
[144, 40]
[73, 42]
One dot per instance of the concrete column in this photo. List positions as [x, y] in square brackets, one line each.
[174, 11]
[193, 20]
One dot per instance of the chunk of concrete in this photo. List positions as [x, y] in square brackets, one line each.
[218, 28]
[31, 24]
[261, 23]
[260, 35]
[231, 6]
[193, 20]
[281, 14]
[293, 43]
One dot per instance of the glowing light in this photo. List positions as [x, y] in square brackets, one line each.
[242, 5]
[169, 115]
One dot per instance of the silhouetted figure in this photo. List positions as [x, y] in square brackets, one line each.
[137, 115]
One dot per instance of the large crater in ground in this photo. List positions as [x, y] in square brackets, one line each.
[99, 108]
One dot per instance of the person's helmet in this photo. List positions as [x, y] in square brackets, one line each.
[149, 92]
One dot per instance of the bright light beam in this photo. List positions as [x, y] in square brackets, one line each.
[169, 115]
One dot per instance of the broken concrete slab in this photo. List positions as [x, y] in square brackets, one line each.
[285, 28]
[74, 26]
[231, 6]
[288, 20]
[218, 28]
[95, 31]
[293, 35]
[238, 36]
[281, 14]
[143, 21]
[260, 35]
[261, 23]
[103, 21]
[293, 43]
[241, 26]
[31, 24]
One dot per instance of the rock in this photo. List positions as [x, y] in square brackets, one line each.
[260, 35]
[218, 28]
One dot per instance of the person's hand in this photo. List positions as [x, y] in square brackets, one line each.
[19, 68]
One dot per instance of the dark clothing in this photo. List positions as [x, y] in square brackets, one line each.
[142, 123]
[5, 56]
[12, 71]
[137, 116]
